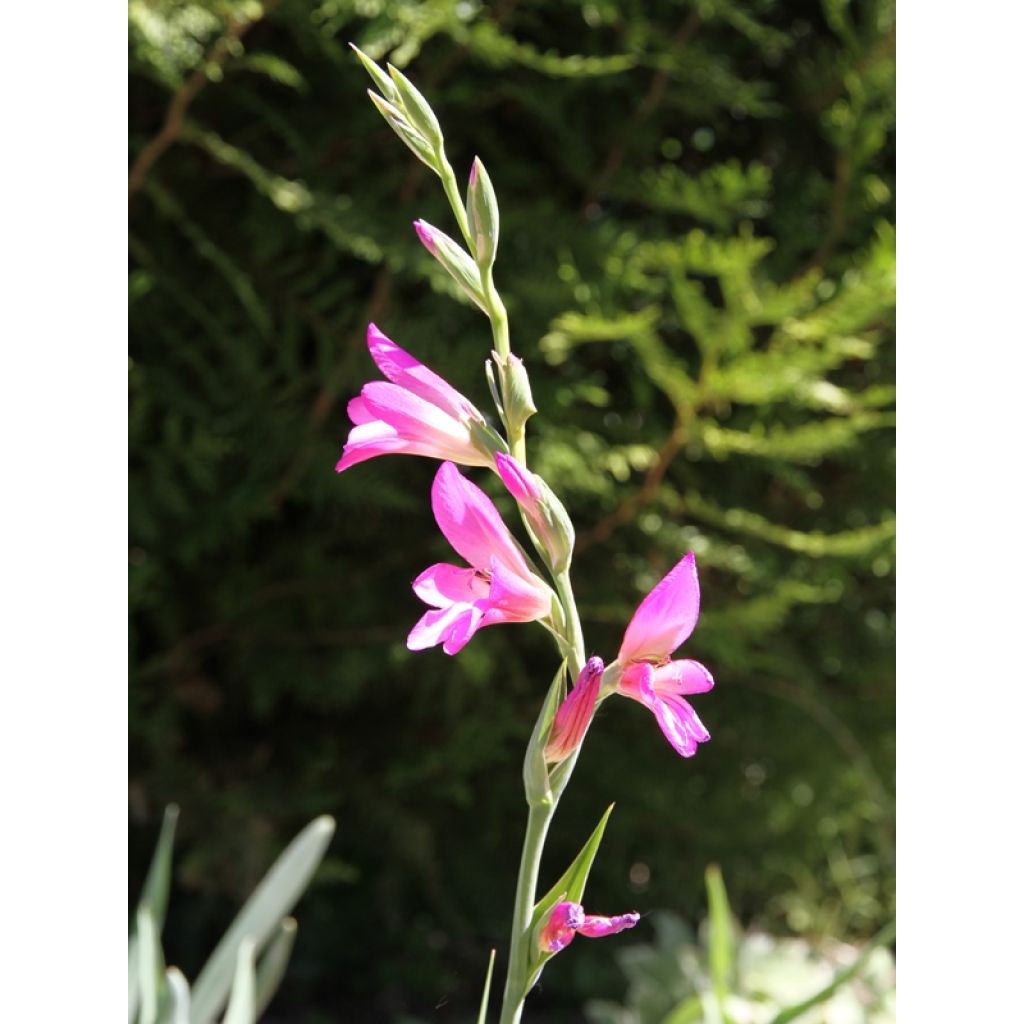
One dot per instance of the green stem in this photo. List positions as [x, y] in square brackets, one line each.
[451, 190]
[526, 895]
[537, 825]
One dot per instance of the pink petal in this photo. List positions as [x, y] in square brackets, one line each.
[596, 927]
[472, 524]
[560, 927]
[683, 676]
[368, 440]
[680, 724]
[442, 585]
[573, 718]
[676, 719]
[357, 411]
[521, 483]
[666, 616]
[413, 417]
[519, 599]
[402, 369]
[452, 626]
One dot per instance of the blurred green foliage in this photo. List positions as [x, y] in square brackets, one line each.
[698, 260]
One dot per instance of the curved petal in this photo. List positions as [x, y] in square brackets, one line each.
[520, 599]
[443, 584]
[434, 626]
[680, 724]
[683, 676]
[413, 417]
[596, 927]
[637, 682]
[402, 369]
[666, 616]
[473, 526]
[463, 629]
[357, 411]
[560, 927]
[368, 440]
[521, 483]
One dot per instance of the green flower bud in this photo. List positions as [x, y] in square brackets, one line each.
[482, 210]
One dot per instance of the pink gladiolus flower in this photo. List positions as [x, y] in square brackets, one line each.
[413, 412]
[665, 618]
[573, 717]
[499, 586]
[567, 918]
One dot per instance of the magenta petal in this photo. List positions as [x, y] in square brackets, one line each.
[368, 440]
[407, 372]
[472, 524]
[680, 725]
[666, 616]
[521, 599]
[560, 927]
[596, 927]
[462, 629]
[443, 584]
[638, 682]
[414, 417]
[433, 627]
[521, 483]
[357, 411]
[683, 676]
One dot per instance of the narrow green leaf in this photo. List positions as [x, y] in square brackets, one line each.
[158, 880]
[272, 899]
[151, 965]
[535, 769]
[177, 997]
[571, 885]
[242, 1007]
[274, 963]
[485, 998]
[883, 938]
[720, 938]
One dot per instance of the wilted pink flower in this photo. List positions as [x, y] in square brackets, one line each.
[665, 618]
[500, 586]
[573, 717]
[567, 918]
[413, 412]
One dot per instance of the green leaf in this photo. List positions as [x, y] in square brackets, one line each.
[720, 940]
[482, 1016]
[883, 938]
[272, 899]
[274, 963]
[177, 993]
[571, 885]
[151, 965]
[242, 1008]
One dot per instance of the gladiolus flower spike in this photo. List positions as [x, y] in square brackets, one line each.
[665, 618]
[498, 586]
[567, 919]
[413, 412]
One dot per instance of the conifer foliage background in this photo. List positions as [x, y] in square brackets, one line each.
[698, 258]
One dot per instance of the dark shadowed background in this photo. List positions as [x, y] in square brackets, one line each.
[698, 258]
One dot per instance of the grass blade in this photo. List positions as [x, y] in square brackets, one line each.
[274, 963]
[720, 939]
[242, 1007]
[482, 1016]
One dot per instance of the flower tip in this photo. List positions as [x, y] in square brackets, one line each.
[426, 236]
[474, 172]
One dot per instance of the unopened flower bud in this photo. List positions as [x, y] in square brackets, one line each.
[544, 513]
[574, 716]
[453, 258]
[417, 109]
[482, 211]
[517, 397]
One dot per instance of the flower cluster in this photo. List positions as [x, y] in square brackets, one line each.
[417, 412]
